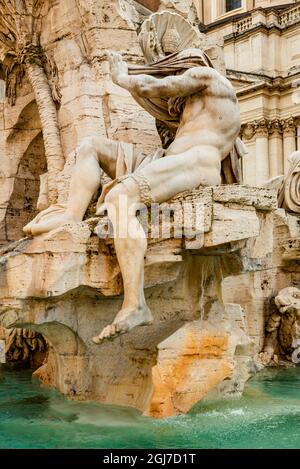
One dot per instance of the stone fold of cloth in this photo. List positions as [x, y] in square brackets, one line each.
[289, 193]
[129, 160]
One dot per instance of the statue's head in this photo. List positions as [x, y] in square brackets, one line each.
[165, 33]
[170, 41]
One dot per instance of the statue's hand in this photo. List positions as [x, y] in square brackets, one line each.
[118, 68]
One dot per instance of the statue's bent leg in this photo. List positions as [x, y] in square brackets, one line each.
[93, 154]
[158, 182]
[168, 176]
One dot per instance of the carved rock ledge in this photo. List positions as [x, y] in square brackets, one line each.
[67, 286]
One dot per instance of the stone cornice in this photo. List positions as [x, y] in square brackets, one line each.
[258, 79]
[269, 128]
[255, 82]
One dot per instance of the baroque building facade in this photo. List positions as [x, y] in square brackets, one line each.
[262, 55]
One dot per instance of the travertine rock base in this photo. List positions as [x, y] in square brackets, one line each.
[209, 301]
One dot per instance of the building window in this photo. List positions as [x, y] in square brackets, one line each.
[233, 4]
[219, 8]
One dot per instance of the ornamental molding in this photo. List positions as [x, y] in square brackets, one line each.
[270, 128]
[275, 128]
[261, 127]
[289, 126]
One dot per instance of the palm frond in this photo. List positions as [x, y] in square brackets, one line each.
[6, 41]
[7, 7]
[20, 26]
[8, 23]
[37, 6]
[20, 7]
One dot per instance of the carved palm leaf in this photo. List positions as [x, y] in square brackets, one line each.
[20, 52]
[20, 26]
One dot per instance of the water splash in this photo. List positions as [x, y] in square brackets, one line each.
[267, 416]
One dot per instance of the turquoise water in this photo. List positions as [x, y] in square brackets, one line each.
[267, 416]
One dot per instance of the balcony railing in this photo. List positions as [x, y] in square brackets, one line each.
[242, 25]
[289, 16]
[283, 19]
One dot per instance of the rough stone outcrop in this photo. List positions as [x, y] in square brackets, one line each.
[66, 285]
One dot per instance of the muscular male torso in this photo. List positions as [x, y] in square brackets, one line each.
[211, 117]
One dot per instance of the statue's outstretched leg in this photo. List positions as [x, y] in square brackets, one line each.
[130, 244]
[163, 178]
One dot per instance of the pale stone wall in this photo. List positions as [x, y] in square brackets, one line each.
[2, 91]
[76, 35]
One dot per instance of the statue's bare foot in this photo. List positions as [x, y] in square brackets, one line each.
[125, 320]
[48, 220]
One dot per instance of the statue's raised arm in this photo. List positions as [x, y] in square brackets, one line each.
[146, 86]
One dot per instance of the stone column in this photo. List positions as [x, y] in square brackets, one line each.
[249, 160]
[289, 140]
[275, 149]
[298, 135]
[262, 151]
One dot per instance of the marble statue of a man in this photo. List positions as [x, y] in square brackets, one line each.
[198, 118]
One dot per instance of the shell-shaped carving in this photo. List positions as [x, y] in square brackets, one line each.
[155, 30]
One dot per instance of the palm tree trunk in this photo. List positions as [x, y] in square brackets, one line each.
[50, 128]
